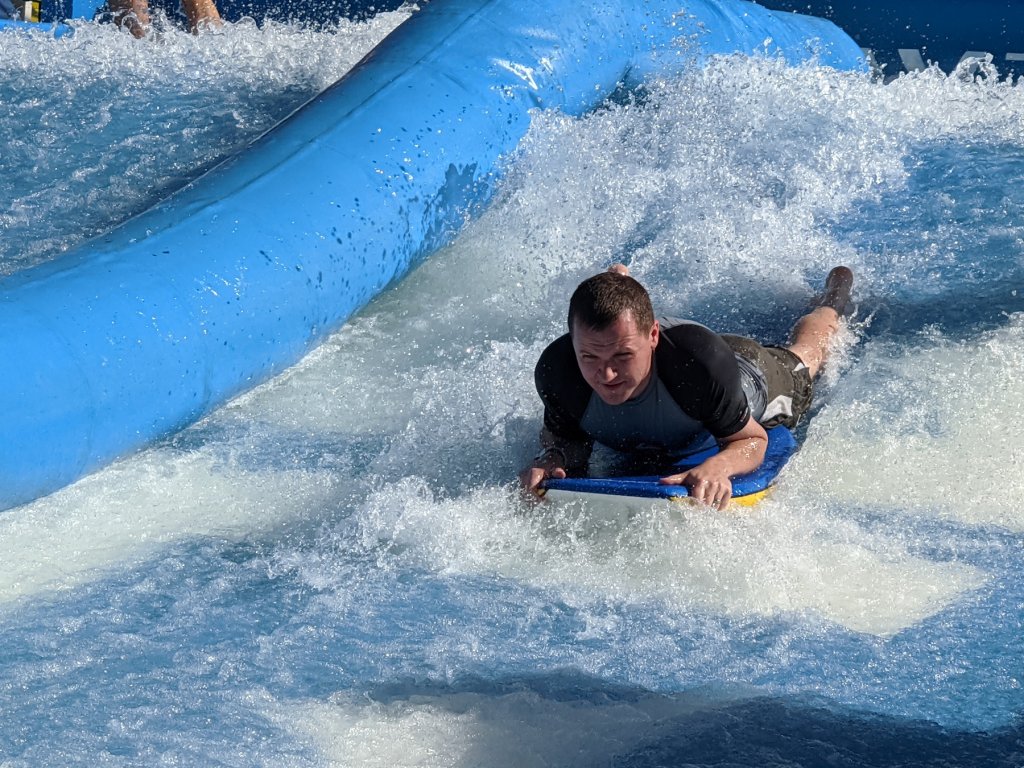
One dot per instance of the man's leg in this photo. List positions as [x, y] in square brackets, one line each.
[201, 13]
[813, 332]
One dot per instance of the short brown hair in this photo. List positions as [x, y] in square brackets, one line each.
[599, 301]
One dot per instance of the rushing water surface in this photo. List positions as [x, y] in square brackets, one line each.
[335, 569]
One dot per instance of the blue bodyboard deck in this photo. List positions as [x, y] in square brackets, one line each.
[781, 446]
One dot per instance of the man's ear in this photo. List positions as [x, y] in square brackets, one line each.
[655, 334]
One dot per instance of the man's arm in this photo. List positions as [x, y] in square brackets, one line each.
[711, 482]
[565, 447]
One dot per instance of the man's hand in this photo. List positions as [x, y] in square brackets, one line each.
[531, 477]
[705, 485]
[711, 482]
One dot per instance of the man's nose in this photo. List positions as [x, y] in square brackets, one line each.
[608, 373]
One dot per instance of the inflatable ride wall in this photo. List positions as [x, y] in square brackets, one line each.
[140, 332]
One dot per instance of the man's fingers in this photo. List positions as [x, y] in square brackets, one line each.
[703, 492]
[679, 479]
[714, 494]
[711, 493]
[531, 479]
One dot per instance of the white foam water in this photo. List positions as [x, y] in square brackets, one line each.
[931, 432]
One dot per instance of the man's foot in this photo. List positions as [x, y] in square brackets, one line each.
[837, 290]
[619, 269]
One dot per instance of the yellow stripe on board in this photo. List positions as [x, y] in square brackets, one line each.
[742, 501]
[751, 498]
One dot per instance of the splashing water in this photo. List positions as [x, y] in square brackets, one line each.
[107, 125]
[335, 568]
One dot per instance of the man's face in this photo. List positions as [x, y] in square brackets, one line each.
[616, 362]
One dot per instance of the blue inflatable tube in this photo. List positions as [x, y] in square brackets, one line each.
[138, 333]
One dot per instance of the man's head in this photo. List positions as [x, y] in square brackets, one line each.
[600, 300]
[614, 334]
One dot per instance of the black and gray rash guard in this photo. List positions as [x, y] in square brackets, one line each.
[700, 389]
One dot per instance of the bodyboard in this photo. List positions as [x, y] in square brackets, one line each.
[747, 489]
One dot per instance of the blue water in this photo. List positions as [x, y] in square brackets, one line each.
[335, 570]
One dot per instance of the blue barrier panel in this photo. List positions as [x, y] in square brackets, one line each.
[139, 332]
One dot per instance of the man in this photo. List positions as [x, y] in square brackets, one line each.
[622, 379]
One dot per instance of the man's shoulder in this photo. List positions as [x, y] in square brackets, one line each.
[691, 338]
[557, 362]
[559, 382]
[701, 374]
[692, 355]
[557, 357]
